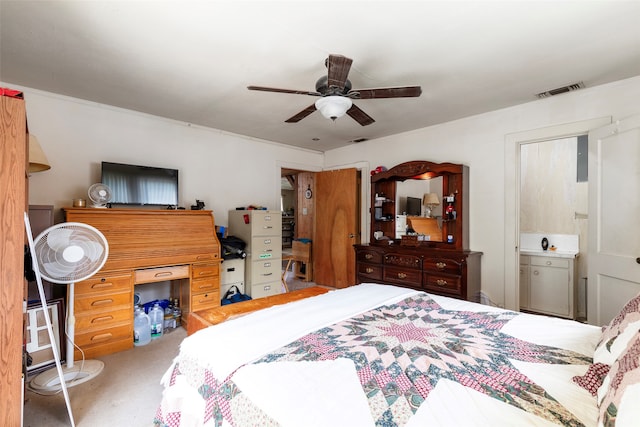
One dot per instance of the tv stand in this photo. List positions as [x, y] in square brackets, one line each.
[145, 246]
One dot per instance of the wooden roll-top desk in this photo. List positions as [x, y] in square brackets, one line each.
[145, 246]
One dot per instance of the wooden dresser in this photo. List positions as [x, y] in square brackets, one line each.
[145, 246]
[449, 273]
[419, 252]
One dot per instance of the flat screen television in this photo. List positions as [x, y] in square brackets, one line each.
[141, 185]
[414, 206]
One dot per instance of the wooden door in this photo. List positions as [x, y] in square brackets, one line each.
[614, 246]
[337, 227]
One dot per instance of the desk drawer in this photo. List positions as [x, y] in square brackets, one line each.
[150, 275]
[103, 284]
[103, 301]
[103, 320]
[206, 284]
[103, 336]
[204, 270]
[205, 300]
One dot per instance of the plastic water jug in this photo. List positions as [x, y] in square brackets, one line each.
[141, 328]
[156, 314]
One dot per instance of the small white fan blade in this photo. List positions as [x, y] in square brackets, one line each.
[58, 238]
[56, 269]
[93, 250]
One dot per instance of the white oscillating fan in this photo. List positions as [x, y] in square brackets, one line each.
[66, 253]
[100, 194]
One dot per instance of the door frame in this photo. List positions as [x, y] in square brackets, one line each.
[513, 143]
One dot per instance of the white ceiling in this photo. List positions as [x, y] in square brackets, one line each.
[192, 60]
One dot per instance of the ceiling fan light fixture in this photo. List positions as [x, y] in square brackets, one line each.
[334, 106]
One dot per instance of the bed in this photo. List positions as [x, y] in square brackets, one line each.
[383, 355]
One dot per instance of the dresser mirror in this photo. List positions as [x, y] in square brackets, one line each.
[399, 199]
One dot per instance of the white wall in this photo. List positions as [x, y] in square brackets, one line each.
[479, 142]
[223, 170]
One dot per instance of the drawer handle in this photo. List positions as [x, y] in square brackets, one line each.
[536, 272]
[203, 257]
[164, 274]
[402, 275]
[203, 273]
[267, 241]
[101, 337]
[102, 285]
[369, 270]
[368, 256]
[204, 286]
[101, 319]
[268, 227]
[102, 302]
[267, 274]
[441, 265]
[441, 282]
[549, 263]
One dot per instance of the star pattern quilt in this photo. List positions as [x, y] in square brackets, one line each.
[400, 353]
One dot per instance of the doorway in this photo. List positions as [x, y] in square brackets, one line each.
[512, 169]
[553, 205]
[301, 187]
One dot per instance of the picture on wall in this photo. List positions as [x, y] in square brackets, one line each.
[37, 337]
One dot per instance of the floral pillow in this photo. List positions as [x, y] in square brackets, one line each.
[592, 380]
[620, 391]
[617, 334]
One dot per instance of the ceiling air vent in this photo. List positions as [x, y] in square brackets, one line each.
[359, 140]
[563, 89]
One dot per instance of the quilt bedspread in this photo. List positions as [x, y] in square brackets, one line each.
[400, 353]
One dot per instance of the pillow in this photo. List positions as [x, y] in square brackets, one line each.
[617, 334]
[620, 391]
[592, 380]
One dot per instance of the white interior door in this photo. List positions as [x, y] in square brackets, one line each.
[614, 218]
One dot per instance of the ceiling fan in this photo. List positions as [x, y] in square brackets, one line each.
[336, 93]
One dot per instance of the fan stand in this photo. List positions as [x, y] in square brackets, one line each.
[49, 382]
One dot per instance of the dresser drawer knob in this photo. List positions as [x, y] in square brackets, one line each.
[402, 275]
[441, 265]
[368, 256]
[369, 270]
[441, 282]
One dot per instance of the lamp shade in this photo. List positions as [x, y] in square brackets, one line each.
[430, 199]
[334, 106]
[38, 161]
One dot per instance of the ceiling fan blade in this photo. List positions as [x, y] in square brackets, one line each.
[273, 89]
[359, 116]
[302, 114]
[338, 67]
[387, 92]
